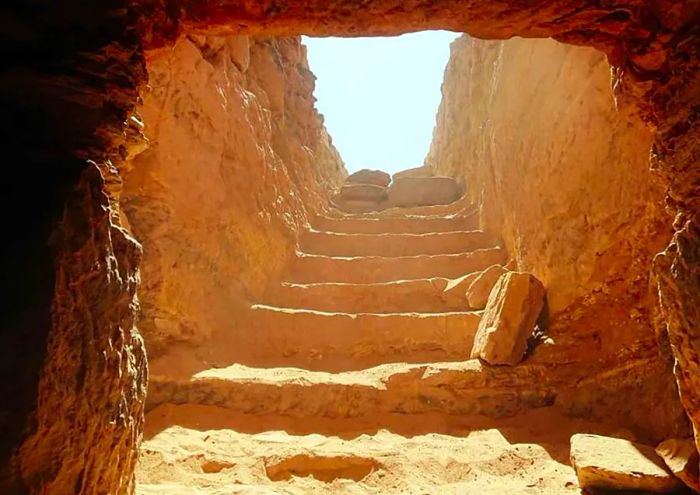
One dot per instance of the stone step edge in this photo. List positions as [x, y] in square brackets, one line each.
[465, 387]
[367, 284]
[411, 314]
[458, 216]
[408, 235]
[383, 377]
[378, 377]
[455, 208]
[302, 254]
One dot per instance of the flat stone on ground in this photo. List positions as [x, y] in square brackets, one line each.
[616, 464]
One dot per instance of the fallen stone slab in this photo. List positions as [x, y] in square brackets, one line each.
[615, 464]
[681, 457]
[509, 319]
[423, 191]
[367, 176]
[479, 290]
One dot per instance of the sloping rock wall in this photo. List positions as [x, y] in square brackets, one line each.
[238, 158]
[531, 128]
[562, 176]
[83, 386]
[72, 362]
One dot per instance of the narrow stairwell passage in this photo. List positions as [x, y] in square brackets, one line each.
[359, 379]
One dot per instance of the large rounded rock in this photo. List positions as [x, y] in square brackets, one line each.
[423, 191]
[366, 176]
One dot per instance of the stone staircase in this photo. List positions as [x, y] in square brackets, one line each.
[359, 379]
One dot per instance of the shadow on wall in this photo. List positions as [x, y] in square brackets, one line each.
[560, 173]
[237, 163]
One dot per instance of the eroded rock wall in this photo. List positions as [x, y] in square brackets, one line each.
[73, 370]
[95, 379]
[562, 176]
[238, 159]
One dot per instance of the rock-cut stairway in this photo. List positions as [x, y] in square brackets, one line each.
[359, 379]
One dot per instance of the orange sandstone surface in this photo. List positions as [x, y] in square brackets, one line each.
[302, 349]
[73, 353]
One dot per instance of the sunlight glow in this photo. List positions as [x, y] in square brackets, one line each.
[379, 96]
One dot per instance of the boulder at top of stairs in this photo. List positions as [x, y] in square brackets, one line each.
[615, 464]
[373, 177]
[509, 319]
[423, 191]
[414, 172]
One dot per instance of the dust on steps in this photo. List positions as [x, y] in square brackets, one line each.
[353, 375]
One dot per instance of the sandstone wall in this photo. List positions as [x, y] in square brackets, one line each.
[76, 74]
[238, 158]
[531, 128]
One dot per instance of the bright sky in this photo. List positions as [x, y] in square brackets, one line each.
[379, 96]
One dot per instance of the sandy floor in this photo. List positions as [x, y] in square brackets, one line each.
[210, 457]
[355, 417]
